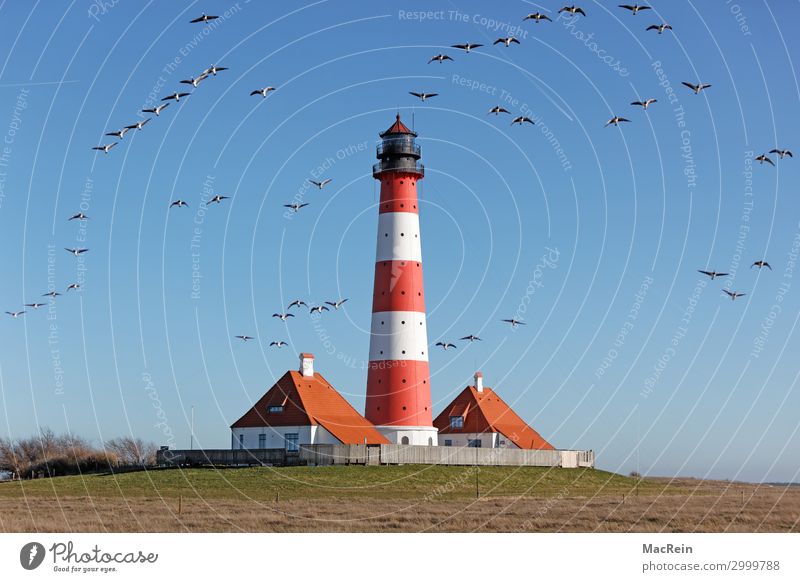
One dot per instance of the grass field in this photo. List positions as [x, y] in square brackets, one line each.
[392, 498]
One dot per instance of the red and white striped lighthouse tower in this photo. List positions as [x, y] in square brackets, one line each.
[398, 380]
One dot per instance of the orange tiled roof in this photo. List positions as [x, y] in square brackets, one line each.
[487, 412]
[311, 401]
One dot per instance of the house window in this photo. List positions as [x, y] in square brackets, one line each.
[474, 443]
[404, 441]
[448, 442]
[274, 409]
[292, 442]
[456, 422]
[241, 441]
[262, 441]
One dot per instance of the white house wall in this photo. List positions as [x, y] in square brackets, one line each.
[489, 440]
[276, 436]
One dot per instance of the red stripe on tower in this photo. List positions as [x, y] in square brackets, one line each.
[398, 380]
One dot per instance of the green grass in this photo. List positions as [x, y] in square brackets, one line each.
[341, 482]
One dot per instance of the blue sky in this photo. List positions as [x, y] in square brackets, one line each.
[592, 234]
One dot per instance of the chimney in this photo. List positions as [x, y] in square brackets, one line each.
[307, 364]
[478, 381]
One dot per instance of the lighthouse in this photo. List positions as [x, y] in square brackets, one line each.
[398, 379]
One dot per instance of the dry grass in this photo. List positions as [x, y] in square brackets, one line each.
[581, 501]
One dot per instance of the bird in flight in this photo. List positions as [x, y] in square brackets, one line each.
[471, 338]
[179, 203]
[466, 47]
[203, 18]
[263, 91]
[321, 184]
[733, 295]
[506, 40]
[423, 96]
[763, 158]
[497, 110]
[522, 119]
[15, 314]
[282, 316]
[645, 104]
[635, 8]
[439, 58]
[295, 206]
[572, 10]
[537, 16]
[76, 252]
[445, 345]
[616, 121]
[659, 27]
[73, 287]
[782, 153]
[140, 124]
[336, 304]
[118, 134]
[106, 148]
[761, 265]
[175, 96]
[156, 110]
[514, 322]
[278, 344]
[79, 216]
[52, 294]
[213, 70]
[34, 305]
[244, 338]
[217, 199]
[712, 274]
[194, 82]
[318, 309]
[696, 88]
[297, 303]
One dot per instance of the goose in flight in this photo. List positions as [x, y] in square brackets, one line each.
[322, 184]
[696, 88]
[782, 153]
[336, 304]
[76, 252]
[616, 121]
[79, 216]
[217, 199]
[213, 70]
[763, 158]
[471, 338]
[659, 27]
[537, 16]
[466, 47]
[506, 40]
[73, 287]
[140, 124]
[244, 338]
[106, 148]
[712, 274]
[635, 8]
[423, 96]
[34, 305]
[278, 344]
[51, 294]
[514, 322]
[439, 58]
[733, 294]
[645, 104]
[263, 91]
[156, 110]
[297, 303]
[522, 119]
[179, 203]
[761, 265]
[194, 82]
[497, 110]
[295, 206]
[283, 316]
[572, 10]
[15, 314]
[118, 134]
[445, 345]
[203, 18]
[175, 96]
[318, 309]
